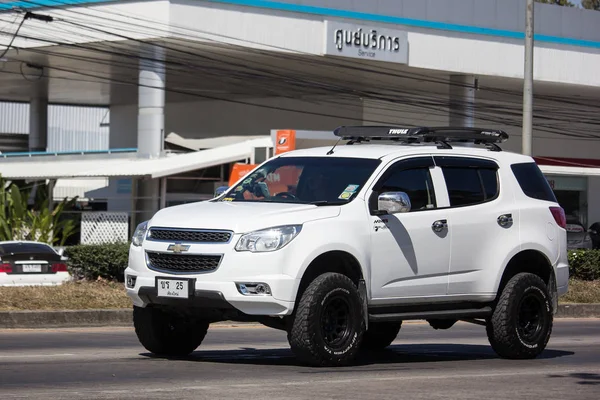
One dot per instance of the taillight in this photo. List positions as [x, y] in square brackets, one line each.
[5, 267]
[559, 216]
[59, 267]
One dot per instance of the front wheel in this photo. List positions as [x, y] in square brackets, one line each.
[329, 324]
[521, 324]
[167, 333]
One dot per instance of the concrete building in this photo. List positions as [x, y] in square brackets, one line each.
[174, 72]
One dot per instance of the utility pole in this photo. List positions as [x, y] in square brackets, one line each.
[528, 81]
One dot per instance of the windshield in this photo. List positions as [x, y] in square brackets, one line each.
[310, 180]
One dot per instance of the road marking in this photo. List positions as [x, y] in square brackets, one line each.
[37, 355]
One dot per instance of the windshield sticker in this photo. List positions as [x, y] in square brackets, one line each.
[351, 188]
[345, 195]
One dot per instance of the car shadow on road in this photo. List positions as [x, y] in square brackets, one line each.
[583, 378]
[396, 354]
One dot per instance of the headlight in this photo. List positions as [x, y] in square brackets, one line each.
[268, 239]
[139, 234]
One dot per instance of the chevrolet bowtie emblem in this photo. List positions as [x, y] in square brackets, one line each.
[178, 248]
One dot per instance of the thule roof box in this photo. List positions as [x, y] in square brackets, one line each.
[442, 136]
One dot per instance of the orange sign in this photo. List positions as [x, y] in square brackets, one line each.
[285, 141]
[239, 171]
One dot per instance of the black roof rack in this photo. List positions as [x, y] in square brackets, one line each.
[442, 136]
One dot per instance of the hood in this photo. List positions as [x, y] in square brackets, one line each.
[240, 217]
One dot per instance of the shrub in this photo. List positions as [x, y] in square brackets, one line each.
[106, 261]
[584, 264]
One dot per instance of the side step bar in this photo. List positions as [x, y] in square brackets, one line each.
[441, 314]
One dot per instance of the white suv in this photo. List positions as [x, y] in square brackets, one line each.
[338, 246]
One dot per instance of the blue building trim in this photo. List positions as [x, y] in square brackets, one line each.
[332, 12]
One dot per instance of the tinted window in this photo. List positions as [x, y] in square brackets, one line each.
[325, 180]
[25, 248]
[489, 180]
[532, 181]
[464, 186]
[416, 183]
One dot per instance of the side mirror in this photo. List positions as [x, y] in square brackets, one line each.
[220, 190]
[393, 202]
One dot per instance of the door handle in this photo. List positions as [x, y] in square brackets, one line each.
[439, 225]
[505, 220]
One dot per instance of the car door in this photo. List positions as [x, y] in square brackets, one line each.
[484, 221]
[411, 250]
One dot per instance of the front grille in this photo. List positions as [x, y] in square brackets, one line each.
[184, 263]
[182, 235]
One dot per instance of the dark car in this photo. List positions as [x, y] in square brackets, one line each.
[25, 263]
[577, 235]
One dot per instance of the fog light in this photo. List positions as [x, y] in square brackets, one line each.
[131, 281]
[254, 288]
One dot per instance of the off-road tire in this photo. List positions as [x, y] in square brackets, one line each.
[380, 335]
[506, 329]
[311, 337]
[167, 334]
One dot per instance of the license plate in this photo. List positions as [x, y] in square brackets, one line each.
[32, 268]
[173, 288]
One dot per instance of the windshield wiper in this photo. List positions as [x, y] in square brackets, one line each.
[326, 203]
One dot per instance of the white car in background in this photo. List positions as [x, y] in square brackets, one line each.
[25, 263]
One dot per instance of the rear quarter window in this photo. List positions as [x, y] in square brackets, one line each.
[533, 182]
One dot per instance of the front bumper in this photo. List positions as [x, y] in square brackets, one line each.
[217, 289]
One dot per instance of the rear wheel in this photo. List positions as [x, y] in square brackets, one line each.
[380, 335]
[521, 324]
[167, 333]
[328, 326]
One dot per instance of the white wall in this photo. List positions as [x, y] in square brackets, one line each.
[593, 200]
[123, 126]
[214, 118]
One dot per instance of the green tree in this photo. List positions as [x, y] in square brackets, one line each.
[565, 3]
[19, 221]
[591, 4]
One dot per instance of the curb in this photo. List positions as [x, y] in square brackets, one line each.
[123, 317]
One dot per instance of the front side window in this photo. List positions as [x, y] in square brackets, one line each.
[416, 183]
[304, 180]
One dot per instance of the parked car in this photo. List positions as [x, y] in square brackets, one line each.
[594, 233]
[577, 236]
[24, 263]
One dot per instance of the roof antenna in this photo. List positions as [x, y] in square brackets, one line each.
[336, 143]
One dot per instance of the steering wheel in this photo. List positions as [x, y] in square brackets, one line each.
[286, 195]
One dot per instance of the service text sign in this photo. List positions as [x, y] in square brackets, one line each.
[365, 42]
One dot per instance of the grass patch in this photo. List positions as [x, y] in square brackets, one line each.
[100, 294]
[78, 295]
[582, 292]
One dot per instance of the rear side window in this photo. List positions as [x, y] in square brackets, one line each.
[532, 181]
[25, 248]
[468, 186]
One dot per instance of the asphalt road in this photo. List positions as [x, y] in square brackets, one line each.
[256, 363]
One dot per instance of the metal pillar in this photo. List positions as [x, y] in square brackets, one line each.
[51, 184]
[528, 82]
[151, 102]
[38, 123]
[462, 100]
[163, 193]
[151, 123]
